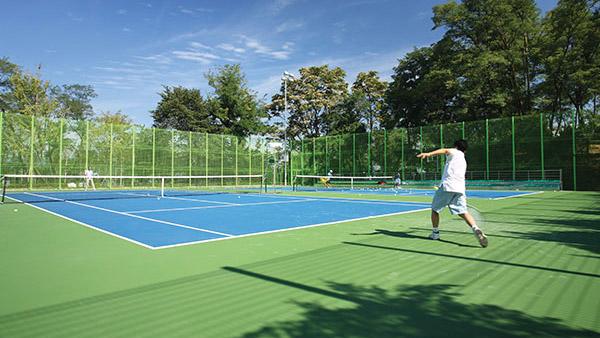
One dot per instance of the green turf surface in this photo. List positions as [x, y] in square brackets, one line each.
[380, 277]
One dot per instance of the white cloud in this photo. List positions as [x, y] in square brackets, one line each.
[158, 58]
[289, 25]
[198, 45]
[259, 48]
[125, 29]
[204, 58]
[231, 48]
[122, 11]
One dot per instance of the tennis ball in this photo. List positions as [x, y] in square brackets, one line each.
[15, 210]
[435, 188]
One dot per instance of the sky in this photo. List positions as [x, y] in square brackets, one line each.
[128, 50]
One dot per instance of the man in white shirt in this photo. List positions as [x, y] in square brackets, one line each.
[89, 179]
[451, 192]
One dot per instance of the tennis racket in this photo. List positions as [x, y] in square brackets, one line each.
[477, 216]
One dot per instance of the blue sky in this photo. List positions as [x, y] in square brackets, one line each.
[128, 49]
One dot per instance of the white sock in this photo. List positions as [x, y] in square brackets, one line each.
[436, 230]
[475, 228]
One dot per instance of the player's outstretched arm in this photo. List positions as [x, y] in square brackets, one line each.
[441, 151]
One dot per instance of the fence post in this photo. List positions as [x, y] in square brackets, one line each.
[302, 156]
[369, 153]
[463, 130]
[87, 143]
[132, 157]
[339, 154]
[1, 125]
[574, 151]
[110, 156]
[421, 148]
[222, 155]
[514, 161]
[172, 157]
[153, 154]
[353, 154]
[314, 155]
[190, 157]
[385, 152]
[487, 150]
[206, 157]
[326, 156]
[237, 141]
[31, 138]
[402, 154]
[542, 143]
[249, 160]
[60, 151]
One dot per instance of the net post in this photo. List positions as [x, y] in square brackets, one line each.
[514, 161]
[31, 137]
[110, 157]
[542, 143]
[574, 149]
[353, 154]
[1, 129]
[60, 153]
[487, 150]
[153, 154]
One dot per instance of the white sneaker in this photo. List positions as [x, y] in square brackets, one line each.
[434, 235]
[481, 237]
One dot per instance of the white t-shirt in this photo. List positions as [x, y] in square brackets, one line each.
[453, 178]
[88, 174]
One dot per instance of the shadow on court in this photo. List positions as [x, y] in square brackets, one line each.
[408, 311]
[410, 235]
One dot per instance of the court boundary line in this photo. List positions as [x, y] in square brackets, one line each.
[178, 198]
[288, 229]
[135, 216]
[519, 195]
[216, 206]
[85, 224]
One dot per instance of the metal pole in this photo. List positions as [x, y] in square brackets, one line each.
[289, 154]
[402, 154]
[172, 157]
[302, 156]
[369, 153]
[384, 152]
[286, 153]
[222, 151]
[206, 158]
[421, 148]
[487, 150]
[249, 160]
[87, 144]
[353, 154]
[574, 151]
[463, 130]
[442, 158]
[542, 143]
[60, 151]
[132, 157]
[110, 156]
[326, 156]
[514, 160]
[153, 154]
[236, 160]
[190, 158]
[1, 127]
[314, 155]
[31, 138]
[339, 154]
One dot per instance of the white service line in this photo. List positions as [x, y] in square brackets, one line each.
[130, 215]
[180, 198]
[217, 206]
[288, 229]
[515, 196]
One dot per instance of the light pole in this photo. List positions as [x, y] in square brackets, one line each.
[285, 78]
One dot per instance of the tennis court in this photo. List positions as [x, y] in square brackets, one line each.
[160, 222]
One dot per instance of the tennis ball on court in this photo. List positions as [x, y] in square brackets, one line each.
[435, 188]
[15, 210]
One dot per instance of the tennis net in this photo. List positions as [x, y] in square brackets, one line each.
[47, 188]
[316, 182]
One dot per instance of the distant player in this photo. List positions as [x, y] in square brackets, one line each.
[89, 179]
[397, 181]
[452, 189]
[328, 179]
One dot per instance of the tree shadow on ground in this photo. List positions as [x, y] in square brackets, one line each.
[410, 235]
[408, 311]
[583, 240]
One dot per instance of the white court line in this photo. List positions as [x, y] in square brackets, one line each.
[86, 225]
[130, 215]
[342, 199]
[215, 206]
[288, 229]
[514, 196]
[179, 198]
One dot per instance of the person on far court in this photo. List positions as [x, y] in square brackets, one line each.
[89, 179]
[451, 192]
[397, 181]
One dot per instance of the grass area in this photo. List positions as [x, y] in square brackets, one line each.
[380, 277]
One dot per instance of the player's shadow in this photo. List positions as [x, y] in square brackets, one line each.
[410, 235]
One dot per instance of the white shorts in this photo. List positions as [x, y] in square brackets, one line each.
[455, 201]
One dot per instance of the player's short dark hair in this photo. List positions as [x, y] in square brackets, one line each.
[461, 145]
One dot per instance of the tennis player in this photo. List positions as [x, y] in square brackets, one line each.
[328, 179]
[451, 192]
[397, 181]
[89, 179]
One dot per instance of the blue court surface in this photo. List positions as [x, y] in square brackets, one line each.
[173, 221]
[486, 194]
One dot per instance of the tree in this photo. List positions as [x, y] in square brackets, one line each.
[7, 70]
[234, 106]
[74, 101]
[311, 97]
[497, 52]
[108, 117]
[183, 109]
[29, 95]
[570, 57]
[369, 92]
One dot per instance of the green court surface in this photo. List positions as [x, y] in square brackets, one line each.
[380, 277]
